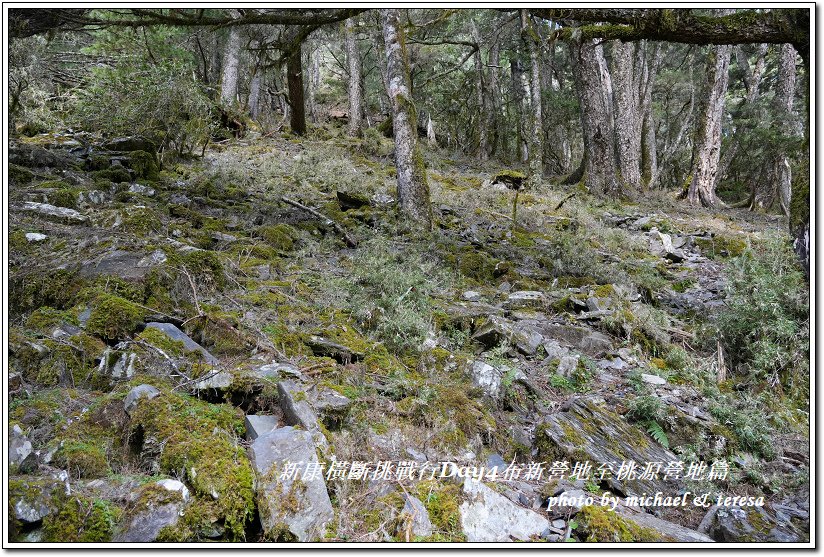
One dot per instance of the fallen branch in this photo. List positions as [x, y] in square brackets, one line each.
[329, 222]
[564, 200]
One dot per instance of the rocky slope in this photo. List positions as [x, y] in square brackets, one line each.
[181, 336]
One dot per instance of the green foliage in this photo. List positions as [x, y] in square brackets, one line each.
[80, 519]
[390, 294]
[280, 236]
[159, 98]
[748, 421]
[657, 433]
[764, 326]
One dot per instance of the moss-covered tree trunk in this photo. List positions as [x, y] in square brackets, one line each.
[294, 79]
[595, 96]
[482, 148]
[231, 64]
[781, 173]
[353, 62]
[628, 121]
[494, 103]
[413, 188]
[707, 145]
[649, 145]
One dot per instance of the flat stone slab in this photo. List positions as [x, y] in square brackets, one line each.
[257, 425]
[487, 516]
[51, 212]
[174, 333]
[589, 430]
[296, 506]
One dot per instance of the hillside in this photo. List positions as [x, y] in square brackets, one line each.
[180, 333]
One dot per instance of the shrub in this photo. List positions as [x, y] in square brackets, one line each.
[765, 325]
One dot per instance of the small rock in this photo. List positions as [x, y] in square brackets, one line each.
[175, 485]
[471, 296]
[123, 368]
[525, 299]
[35, 237]
[33, 502]
[154, 513]
[277, 370]
[20, 451]
[133, 143]
[381, 199]
[567, 365]
[324, 347]
[487, 378]
[217, 380]
[93, 197]
[653, 379]
[157, 257]
[257, 425]
[142, 190]
[496, 462]
[141, 391]
[414, 519]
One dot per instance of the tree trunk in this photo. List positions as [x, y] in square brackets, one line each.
[480, 97]
[353, 129]
[517, 85]
[649, 147]
[313, 83]
[294, 78]
[707, 145]
[628, 123]
[254, 95]
[494, 104]
[785, 92]
[594, 93]
[413, 188]
[231, 62]
[536, 147]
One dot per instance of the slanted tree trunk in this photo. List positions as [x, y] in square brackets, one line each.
[294, 79]
[628, 123]
[707, 143]
[413, 188]
[353, 62]
[595, 96]
[231, 63]
[536, 130]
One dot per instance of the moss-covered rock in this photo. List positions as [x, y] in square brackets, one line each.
[144, 165]
[599, 524]
[114, 318]
[80, 519]
[280, 236]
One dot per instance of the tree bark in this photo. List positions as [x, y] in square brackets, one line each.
[231, 62]
[480, 96]
[353, 62]
[313, 83]
[254, 95]
[413, 188]
[294, 79]
[784, 95]
[628, 123]
[494, 104]
[594, 93]
[707, 144]
[649, 146]
[536, 147]
[517, 88]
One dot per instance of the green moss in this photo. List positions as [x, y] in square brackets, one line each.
[29, 291]
[83, 459]
[19, 174]
[114, 318]
[159, 339]
[280, 236]
[80, 519]
[45, 318]
[477, 265]
[63, 195]
[604, 291]
[115, 174]
[721, 246]
[144, 165]
[800, 204]
[206, 452]
[602, 525]
[442, 502]
[141, 220]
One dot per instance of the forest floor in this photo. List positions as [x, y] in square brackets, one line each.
[585, 330]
